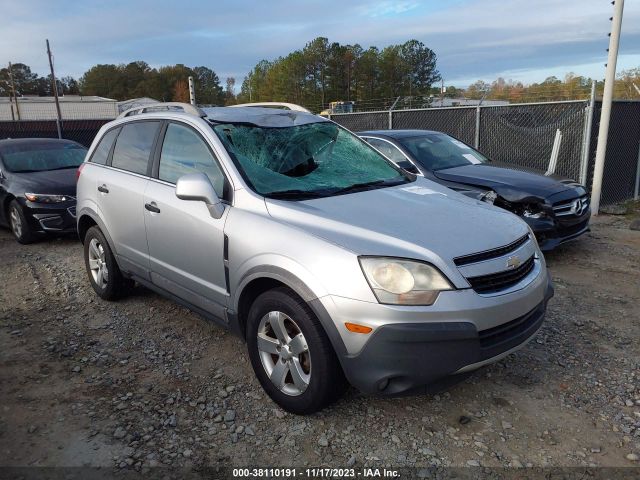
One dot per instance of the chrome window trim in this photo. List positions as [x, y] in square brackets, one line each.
[365, 137]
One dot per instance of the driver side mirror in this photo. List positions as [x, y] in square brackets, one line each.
[197, 187]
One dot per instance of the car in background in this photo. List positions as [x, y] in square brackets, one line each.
[38, 186]
[556, 208]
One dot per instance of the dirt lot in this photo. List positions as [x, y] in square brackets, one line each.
[144, 382]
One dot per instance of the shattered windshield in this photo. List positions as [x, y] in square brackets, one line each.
[437, 151]
[306, 161]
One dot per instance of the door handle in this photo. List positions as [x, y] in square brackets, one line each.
[152, 207]
[103, 188]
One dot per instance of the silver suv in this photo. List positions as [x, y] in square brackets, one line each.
[335, 266]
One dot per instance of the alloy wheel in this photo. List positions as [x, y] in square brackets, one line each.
[16, 222]
[98, 263]
[284, 353]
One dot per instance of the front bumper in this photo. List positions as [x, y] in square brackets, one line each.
[552, 232]
[51, 218]
[402, 356]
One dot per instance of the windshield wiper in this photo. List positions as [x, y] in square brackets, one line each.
[296, 194]
[358, 187]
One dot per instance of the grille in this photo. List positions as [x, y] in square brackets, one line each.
[575, 206]
[490, 254]
[564, 231]
[496, 282]
[496, 337]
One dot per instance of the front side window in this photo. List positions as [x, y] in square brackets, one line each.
[183, 152]
[133, 147]
[311, 160]
[42, 156]
[437, 151]
[101, 153]
[388, 150]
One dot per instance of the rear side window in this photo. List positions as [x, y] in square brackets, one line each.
[133, 147]
[183, 152]
[101, 153]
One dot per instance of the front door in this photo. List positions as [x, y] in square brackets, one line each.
[186, 245]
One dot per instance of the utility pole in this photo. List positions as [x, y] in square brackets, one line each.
[442, 92]
[192, 92]
[54, 85]
[605, 116]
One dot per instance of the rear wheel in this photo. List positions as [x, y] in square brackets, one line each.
[104, 274]
[291, 354]
[19, 225]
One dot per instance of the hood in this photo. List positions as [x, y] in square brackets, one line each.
[415, 220]
[509, 183]
[56, 182]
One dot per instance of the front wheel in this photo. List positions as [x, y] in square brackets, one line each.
[104, 274]
[19, 224]
[291, 354]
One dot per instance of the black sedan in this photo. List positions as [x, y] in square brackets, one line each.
[38, 186]
[556, 208]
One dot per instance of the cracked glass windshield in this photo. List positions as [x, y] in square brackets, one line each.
[306, 161]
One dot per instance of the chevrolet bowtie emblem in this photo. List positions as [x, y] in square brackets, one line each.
[513, 262]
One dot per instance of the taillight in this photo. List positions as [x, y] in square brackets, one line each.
[79, 171]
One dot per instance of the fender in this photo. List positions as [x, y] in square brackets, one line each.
[301, 289]
[89, 212]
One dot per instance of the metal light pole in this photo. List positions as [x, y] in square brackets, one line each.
[605, 115]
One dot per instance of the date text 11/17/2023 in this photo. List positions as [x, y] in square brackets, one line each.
[313, 472]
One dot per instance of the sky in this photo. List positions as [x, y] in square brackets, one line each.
[522, 40]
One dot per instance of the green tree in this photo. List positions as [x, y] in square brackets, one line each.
[207, 87]
[24, 80]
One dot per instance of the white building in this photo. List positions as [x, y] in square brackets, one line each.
[72, 107]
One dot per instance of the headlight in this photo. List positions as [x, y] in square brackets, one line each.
[40, 198]
[533, 211]
[489, 196]
[403, 282]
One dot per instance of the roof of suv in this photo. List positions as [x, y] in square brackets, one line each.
[250, 114]
[261, 116]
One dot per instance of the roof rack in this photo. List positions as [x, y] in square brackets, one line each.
[164, 106]
[283, 105]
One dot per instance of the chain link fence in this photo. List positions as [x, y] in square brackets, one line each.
[459, 122]
[622, 162]
[81, 131]
[519, 134]
[523, 135]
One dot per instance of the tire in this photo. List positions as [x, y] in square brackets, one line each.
[19, 224]
[297, 354]
[103, 271]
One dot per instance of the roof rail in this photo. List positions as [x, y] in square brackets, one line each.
[284, 105]
[161, 106]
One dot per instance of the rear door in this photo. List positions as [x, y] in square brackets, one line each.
[120, 194]
[186, 245]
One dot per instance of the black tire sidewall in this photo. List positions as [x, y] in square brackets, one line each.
[327, 378]
[27, 235]
[113, 288]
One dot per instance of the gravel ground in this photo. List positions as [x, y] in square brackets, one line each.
[144, 382]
